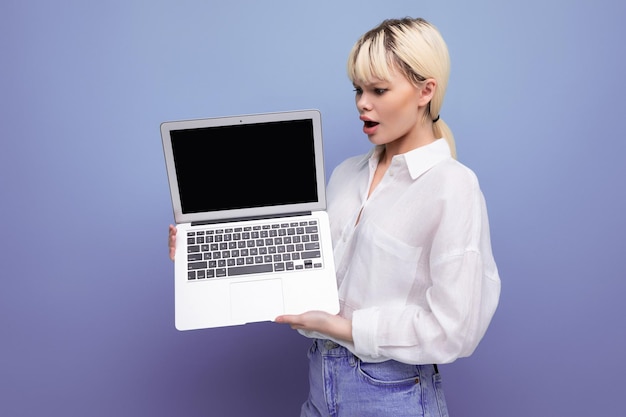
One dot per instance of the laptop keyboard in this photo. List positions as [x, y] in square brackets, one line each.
[274, 247]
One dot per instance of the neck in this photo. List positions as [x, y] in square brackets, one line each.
[401, 146]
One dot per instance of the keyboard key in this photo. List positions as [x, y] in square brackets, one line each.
[311, 254]
[252, 269]
[196, 265]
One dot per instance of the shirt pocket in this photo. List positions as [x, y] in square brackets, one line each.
[390, 265]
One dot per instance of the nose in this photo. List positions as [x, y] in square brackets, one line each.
[362, 103]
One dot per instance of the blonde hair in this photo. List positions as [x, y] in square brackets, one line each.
[416, 49]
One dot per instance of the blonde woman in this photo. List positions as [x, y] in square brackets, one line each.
[417, 281]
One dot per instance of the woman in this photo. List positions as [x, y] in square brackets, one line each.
[417, 281]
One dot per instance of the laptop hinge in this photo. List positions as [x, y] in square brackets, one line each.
[239, 219]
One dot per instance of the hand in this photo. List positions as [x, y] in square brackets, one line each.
[171, 241]
[334, 326]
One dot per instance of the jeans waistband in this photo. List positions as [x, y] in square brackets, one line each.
[331, 348]
[326, 346]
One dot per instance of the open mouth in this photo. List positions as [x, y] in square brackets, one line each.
[369, 123]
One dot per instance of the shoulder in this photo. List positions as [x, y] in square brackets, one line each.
[351, 165]
[453, 173]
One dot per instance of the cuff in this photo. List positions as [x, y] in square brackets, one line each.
[364, 330]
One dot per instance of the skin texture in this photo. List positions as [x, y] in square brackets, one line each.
[393, 115]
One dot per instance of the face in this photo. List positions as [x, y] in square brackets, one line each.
[392, 112]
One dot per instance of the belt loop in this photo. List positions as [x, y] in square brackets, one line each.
[436, 369]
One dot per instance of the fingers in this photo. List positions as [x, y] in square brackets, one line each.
[294, 321]
[309, 320]
[319, 321]
[287, 319]
[171, 242]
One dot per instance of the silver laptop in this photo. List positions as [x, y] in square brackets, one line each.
[249, 201]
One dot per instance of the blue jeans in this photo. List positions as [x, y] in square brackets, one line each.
[341, 385]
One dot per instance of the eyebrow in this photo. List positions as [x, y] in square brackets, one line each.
[374, 84]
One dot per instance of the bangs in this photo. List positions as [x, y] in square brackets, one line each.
[370, 60]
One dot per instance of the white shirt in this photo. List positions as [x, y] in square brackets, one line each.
[416, 275]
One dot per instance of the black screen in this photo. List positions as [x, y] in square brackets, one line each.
[245, 166]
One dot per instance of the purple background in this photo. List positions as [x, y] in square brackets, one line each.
[86, 292]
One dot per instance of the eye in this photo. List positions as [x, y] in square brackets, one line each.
[380, 91]
[358, 90]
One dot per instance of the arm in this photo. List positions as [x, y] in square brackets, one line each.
[454, 292]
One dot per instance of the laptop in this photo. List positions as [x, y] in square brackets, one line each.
[249, 199]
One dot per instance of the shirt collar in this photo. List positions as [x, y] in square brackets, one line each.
[419, 160]
[424, 158]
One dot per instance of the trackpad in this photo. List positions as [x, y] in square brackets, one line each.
[256, 300]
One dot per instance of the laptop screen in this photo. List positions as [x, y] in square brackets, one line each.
[245, 166]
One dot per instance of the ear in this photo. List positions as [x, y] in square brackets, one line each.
[427, 91]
